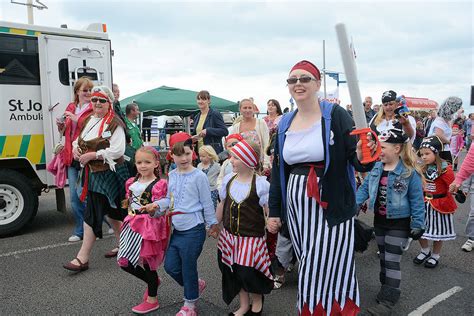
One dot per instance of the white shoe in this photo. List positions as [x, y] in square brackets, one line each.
[74, 238]
[468, 245]
[110, 231]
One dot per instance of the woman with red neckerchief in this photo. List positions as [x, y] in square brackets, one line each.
[99, 150]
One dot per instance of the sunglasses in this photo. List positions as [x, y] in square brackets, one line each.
[86, 90]
[101, 100]
[302, 79]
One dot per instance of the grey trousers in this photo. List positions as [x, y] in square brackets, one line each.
[470, 220]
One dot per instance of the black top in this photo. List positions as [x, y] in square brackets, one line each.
[215, 129]
[380, 209]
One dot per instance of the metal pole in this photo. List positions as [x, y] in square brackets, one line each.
[324, 67]
[29, 8]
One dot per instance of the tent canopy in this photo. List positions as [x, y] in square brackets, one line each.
[173, 101]
[421, 104]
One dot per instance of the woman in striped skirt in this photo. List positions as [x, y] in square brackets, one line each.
[242, 250]
[439, 203]
[144, 239]
[313, 191]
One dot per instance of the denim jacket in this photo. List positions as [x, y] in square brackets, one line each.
[404, 194]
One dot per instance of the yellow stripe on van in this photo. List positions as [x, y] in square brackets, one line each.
[29, 146]
[18, 31]
[35, 149]
[12, 146]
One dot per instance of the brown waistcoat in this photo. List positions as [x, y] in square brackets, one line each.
[247, 217]
[96, 144]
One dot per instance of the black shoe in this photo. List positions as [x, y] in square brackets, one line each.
[251, 313]
[420, 261]
[431, 263]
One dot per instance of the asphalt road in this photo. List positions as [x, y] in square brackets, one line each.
[32, 280]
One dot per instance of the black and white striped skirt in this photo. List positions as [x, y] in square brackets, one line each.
[130, 246]
[326, 279]
[439, 226]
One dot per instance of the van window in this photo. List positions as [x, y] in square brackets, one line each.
[19, 60]
[63, 67]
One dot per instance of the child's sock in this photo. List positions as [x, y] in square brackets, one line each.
[189, 304]
[424, 252]
[435, 256]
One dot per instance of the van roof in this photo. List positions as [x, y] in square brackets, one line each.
[92, 31]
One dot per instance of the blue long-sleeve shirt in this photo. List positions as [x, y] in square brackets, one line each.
[192, 196]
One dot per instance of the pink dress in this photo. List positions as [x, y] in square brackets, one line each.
[143, 239]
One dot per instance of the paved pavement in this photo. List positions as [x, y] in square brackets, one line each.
[32, 280]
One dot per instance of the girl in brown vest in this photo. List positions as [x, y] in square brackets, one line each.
[242, 251]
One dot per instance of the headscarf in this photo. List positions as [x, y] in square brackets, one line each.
[309, 67]
[245, 153]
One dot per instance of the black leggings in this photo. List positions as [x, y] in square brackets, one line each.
[150, 277]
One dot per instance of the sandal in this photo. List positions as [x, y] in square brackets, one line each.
[112, 253]
[431, 263]
[420, 261]
[76, 268]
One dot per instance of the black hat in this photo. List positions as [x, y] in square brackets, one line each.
[393, 136]
[433, 143]
[388, 96]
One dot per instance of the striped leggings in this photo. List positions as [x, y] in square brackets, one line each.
[390, 244]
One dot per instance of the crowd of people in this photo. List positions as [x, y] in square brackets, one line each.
[272, 191]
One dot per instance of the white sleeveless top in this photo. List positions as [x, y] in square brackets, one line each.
[304, 145]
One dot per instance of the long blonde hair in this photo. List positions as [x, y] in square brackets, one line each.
[409, 160]
[379, 116]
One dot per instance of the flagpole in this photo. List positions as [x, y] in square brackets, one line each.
[324, 67]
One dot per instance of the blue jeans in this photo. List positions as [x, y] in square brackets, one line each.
[76, 204]
[181, 259]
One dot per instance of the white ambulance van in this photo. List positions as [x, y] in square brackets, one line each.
[38, 69]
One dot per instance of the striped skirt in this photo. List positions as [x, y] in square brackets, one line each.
[327, 281]
[129, 247]
[439, 226]
[244, 264]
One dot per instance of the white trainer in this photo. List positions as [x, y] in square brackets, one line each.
[468, 245]
[74, 238]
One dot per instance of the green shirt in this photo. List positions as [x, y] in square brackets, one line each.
[134, 133]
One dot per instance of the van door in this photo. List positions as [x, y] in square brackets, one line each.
[63, 60]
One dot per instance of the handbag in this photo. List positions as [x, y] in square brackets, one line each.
[362, 235]
[59, 146]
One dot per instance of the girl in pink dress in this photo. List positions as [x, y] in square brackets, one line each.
[144, 239]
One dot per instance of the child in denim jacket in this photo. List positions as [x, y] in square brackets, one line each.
[395, 192]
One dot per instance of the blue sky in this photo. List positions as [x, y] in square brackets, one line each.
[246, 48]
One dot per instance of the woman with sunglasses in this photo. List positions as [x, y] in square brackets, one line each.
[252, 129]
[70, 124]
[99, 149]
[209, 126]
[387, 117]
[313, 192]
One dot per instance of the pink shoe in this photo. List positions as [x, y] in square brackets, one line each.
[145, 307]
[145, 295]
[202, 286]
[187, 311]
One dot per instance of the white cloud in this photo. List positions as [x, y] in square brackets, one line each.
[237, 50]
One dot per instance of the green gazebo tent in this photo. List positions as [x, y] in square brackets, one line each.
[173, 101]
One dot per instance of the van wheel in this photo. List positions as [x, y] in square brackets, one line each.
[18, 202]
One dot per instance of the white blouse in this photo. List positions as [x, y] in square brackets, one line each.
[239, 191]
[304, 145]
[137, 188]
[117, 141]
[440, 123]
